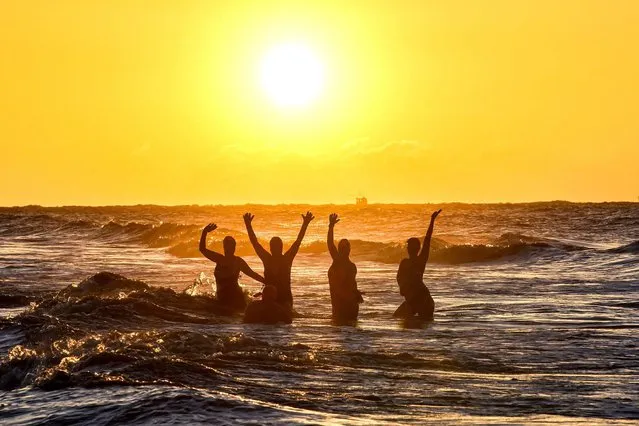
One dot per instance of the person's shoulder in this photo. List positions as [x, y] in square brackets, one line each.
[289, 257]
[266, 255]
[237, 262]
[290, 254]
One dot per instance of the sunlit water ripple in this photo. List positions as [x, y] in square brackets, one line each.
[535, 323]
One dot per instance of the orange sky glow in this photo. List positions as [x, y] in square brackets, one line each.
[135, 102]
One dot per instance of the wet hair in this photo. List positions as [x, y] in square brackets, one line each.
[412, 246]
[269, 293]
[276, 245]
[344, 247]
[229, 245]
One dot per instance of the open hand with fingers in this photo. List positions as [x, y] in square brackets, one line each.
[308, 217]
[248, 218]
[210, 227]
[333, 219]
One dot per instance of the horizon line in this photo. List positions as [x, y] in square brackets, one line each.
[317, 204]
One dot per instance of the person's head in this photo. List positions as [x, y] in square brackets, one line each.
[344, 248]
[276, 246]
[269, 293]
[229, 245]
[412, 246]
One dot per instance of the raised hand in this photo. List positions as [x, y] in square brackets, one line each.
[308, 217]
[435, 214]
[210, 227]
[248, 218]
[333, 219]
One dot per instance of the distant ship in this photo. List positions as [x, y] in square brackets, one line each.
[361, 201]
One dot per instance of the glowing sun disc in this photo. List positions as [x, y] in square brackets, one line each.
[291, 75]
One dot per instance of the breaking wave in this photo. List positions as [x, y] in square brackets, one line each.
[632, 248]
[109, 330]
[181, 240]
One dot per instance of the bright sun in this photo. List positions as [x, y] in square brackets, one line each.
[291, 75]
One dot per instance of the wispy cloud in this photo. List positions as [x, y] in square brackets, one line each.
[365, 146]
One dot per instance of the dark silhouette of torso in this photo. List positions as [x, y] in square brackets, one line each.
[277, 272]
[410, 277]
[227, 270]
[278, 264]
[345, 297]
[411, 286]
[227, 274]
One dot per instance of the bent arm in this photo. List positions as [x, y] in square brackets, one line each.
[331, 242]
[246, 270]
[209, 254]
[261, 251]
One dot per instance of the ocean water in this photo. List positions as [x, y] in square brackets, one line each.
[107, 315]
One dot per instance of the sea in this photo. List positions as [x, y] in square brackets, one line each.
[108, 316]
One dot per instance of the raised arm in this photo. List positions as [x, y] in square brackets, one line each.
[423, 255]
[209, 254]
[332, 220]
[261, 251]
[246, 270]
[306, 219]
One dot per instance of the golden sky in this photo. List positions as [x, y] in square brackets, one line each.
[128, 102]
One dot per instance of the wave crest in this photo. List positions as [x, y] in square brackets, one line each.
[181, 240]
[632, 248]
[109, 330]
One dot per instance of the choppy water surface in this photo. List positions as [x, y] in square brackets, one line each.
[536, 319]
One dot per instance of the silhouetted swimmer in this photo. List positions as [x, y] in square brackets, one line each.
[410, 278]
[227, 271]
[345, 297]
[267, 310]
[277, 265]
